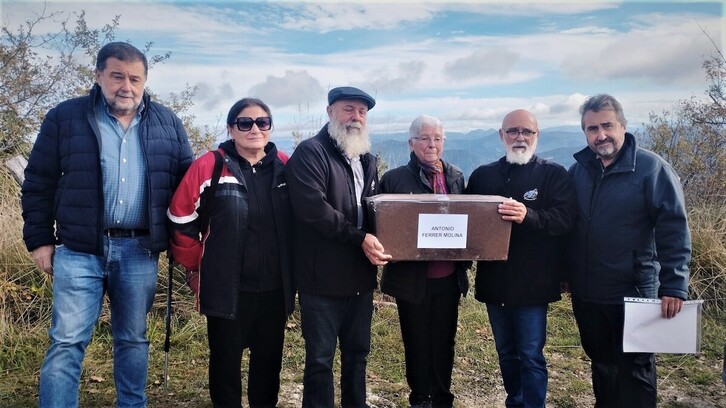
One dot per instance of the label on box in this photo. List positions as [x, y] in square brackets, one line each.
[442, 230]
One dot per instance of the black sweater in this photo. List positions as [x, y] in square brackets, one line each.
[535, 266]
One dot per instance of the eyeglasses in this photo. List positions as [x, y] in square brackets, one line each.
[244, 123]
[428, 140]
[514, 133]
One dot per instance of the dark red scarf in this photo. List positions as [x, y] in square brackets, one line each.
[435, 174]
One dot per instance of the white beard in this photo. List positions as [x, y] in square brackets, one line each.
[518, 156]
[352, 137]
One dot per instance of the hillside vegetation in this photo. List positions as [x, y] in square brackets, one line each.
[26, 297]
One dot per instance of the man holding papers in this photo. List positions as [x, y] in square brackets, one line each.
[631, 239]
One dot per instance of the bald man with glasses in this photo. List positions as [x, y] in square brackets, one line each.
[541, 207]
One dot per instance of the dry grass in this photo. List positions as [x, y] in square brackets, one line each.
[25, 299]
[708, 267]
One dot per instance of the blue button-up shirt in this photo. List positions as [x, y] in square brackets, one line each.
[124, 171]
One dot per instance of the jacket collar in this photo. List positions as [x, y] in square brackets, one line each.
[450, 173]
[625, 162]
[230, 150]
[96, 97]
[505, 167]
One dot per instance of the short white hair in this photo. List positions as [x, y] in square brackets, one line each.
[421, 121]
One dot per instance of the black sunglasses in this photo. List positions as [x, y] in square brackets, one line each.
[244, 123]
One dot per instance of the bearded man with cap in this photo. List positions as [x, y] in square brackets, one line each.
[328, 177]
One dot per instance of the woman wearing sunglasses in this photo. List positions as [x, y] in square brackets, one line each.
[231, 233]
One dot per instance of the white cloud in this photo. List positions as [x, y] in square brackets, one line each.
[482, 63]
[526, 8]
[569, 104]
[291, 89]
[168, 18]
[326, 17]
[589, 30]
[670, 53]
[209, 95]
[469, 79]
[407, 75]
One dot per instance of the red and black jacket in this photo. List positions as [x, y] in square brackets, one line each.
[233, 255]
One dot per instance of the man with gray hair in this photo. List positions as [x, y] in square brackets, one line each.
[631, 239]
[99, 180]
[328, 176]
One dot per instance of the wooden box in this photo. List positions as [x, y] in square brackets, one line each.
[423, 227]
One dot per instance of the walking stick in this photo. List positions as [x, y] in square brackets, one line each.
[167, 339]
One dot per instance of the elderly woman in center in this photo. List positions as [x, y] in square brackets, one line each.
[427, 292]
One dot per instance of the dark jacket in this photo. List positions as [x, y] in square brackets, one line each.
[535, 266]
[62, 196]
[407, 279]
[631, 238]
[219, 258]
[329, 259]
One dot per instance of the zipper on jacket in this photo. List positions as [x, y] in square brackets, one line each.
[596, 183]
[261, 265]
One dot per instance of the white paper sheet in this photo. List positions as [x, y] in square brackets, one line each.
[645, 331]
[442, 230]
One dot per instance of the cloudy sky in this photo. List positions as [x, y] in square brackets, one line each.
[468, 63]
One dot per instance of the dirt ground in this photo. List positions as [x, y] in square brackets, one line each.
[670, 397]
[709, 397]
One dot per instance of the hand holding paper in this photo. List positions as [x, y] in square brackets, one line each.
[647, 331]
[670, 306]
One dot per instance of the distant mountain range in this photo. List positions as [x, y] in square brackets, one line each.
[472, 149]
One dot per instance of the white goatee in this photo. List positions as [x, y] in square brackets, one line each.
[520, 157]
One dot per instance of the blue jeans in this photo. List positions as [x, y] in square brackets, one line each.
[324, 321]
[127, 272]
[519, 334]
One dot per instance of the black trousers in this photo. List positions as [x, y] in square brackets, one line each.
[429, 330]
[260, 326]
[618, 379]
